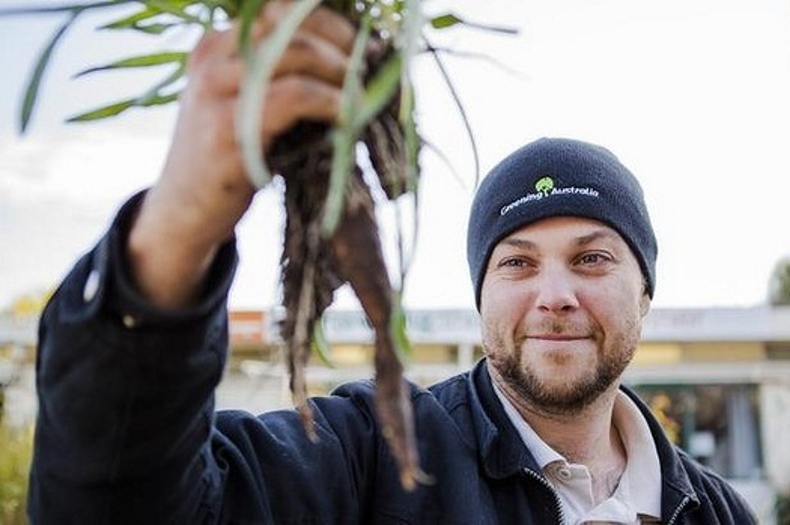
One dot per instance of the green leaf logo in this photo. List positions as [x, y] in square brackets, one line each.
[544, 185]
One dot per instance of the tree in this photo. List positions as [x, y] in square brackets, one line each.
[29, 305]
[779, 285]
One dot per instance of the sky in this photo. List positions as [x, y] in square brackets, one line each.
[694, 97]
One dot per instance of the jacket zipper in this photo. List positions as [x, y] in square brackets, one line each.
[561, 513]
[679, 510]
[557, 503]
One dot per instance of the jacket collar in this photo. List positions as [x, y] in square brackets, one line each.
[502, 452]
[676, 487]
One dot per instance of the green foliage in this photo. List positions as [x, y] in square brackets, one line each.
[398, 23]
[16, 445]
[157, 17]
[783, 510]
[779, 286]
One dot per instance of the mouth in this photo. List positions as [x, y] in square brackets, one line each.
[557, 337]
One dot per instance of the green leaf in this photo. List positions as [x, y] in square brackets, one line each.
[117, 108]
[399, 329]
[345, 134]
[156, 59]
[247, 15]
[34, 85]
[444, 21]
[412, 145]
[152, 97]
[321, 346]
[450, 20]
[68, 8]
[176, 8]
[353, 119]
[131, 21]
[103, 112]
[155, 29]
[253, 90]
[378, 93]
[411, 137]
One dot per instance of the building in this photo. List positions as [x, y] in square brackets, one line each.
[718, 379]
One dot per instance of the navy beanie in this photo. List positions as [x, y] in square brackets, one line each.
[558, 177]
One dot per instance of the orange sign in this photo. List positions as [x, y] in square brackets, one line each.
[247, 327]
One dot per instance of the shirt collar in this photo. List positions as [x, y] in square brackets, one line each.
[541, 451]
[641, 481]
[640, 484]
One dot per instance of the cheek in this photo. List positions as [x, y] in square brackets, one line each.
[620, 314]
[498, 306]
[501, 313]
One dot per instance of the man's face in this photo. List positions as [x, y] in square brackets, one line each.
[562, 304]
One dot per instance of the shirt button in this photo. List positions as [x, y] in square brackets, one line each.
[129, 321]
[91, 286]
[564, 473]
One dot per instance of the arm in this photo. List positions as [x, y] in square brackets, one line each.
[125, 406]
[133, 343]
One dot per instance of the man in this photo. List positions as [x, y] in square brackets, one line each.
[562, 258]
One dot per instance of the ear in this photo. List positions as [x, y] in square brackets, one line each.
[644, 304]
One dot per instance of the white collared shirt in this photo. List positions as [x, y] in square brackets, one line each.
[637, 498]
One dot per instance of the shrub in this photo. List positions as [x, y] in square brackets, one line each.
[16, 445]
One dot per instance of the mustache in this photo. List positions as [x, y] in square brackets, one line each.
[556, 329]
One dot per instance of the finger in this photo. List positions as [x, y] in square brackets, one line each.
[221, 69]
[323, 22]
[210, 68]
[215, 79]
[305, 57]
[312, 56]
[295, 98]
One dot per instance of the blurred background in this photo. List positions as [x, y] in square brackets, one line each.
[693, 97]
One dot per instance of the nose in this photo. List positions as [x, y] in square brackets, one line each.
[556, 290]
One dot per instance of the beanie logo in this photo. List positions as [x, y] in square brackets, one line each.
[545, 187]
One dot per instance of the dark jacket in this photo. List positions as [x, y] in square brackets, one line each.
[127, 431]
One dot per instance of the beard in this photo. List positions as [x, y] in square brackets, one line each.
[568, 397]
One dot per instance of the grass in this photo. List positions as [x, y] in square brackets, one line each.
[16, 445]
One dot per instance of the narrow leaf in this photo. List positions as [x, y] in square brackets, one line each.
[444, 21]
[154, 29]
[117, 108]
[131, 21]
[253, 91]
[144, 20]
[378, 93]
[398, 328]
[103, 112]
[249, 11]
[152, 97]
[34, 85]
[176, 8]
[450, 20]
[344, 135]
[461, 109]
[69, 8]
[156, 59]
[321, 346]
[412, 145]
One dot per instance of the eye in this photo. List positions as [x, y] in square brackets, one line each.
[513, 262]
[594, 259]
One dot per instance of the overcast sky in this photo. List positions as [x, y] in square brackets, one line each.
[692, 96]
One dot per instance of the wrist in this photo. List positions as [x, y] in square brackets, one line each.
[168, 253]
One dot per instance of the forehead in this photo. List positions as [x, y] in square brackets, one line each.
[563, 230]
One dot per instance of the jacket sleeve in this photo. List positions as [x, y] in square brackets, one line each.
[126, 396]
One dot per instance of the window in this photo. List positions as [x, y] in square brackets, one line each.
[716, 424]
